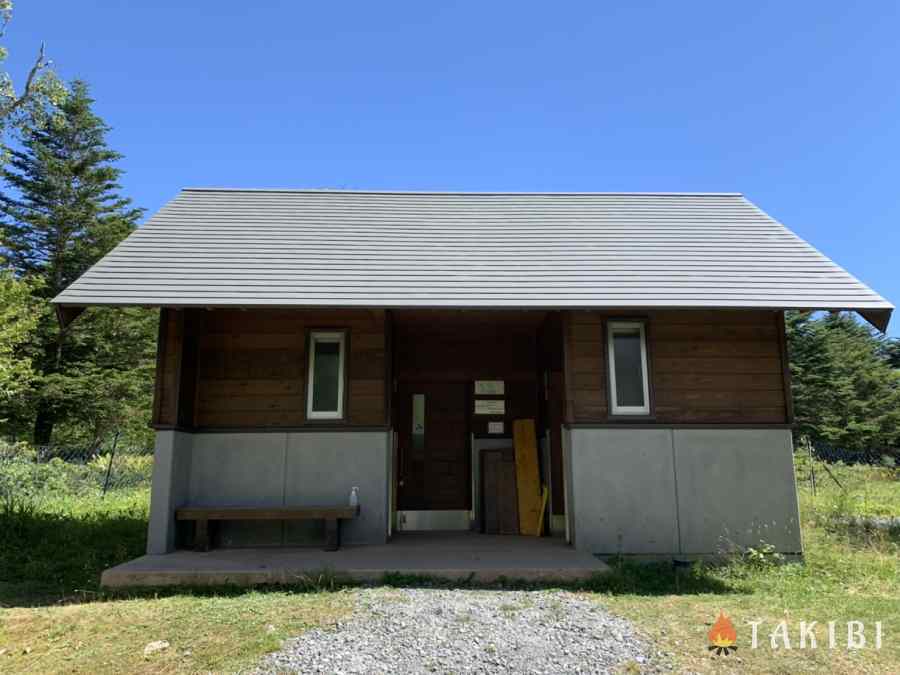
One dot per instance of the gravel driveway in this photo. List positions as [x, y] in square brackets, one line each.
[465, 631]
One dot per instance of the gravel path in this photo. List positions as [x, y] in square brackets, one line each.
[465, 631]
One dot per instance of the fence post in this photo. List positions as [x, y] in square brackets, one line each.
[812, 466]
[112, 454]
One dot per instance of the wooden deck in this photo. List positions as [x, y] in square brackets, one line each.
[452, 556]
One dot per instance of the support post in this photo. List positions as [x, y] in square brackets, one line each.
[332, 534]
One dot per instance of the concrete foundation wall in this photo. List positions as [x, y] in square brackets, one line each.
[681, 491]
[271, 469]
[169, 488]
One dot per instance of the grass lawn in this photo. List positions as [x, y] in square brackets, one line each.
[54, 618]
[206, 632]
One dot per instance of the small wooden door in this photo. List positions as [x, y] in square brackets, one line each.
[499, 496]
[434, 458]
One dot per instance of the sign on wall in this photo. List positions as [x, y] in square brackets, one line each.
[489, 387]
[495, 427]
[490, 407]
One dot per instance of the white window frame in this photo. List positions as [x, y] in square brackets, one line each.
[325, 336]
[611, 329]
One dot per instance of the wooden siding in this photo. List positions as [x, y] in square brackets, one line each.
[706, 367]
[441, 353]
[165, 404]
[550, 341]
[464, 346]
[251, 367]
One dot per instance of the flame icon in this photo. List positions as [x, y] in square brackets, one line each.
[722, 636]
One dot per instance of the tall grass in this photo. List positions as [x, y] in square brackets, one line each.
[59, 527]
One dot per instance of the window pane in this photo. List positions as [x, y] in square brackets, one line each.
[326, 376]
[629, 369]
[418, 429]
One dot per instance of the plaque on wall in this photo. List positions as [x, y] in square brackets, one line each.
[490, 407]
[489, 387]
[495, 427]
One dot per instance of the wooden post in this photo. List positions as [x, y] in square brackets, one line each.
[812, 467]
[332, 534]
[201, 535]
[112, 454]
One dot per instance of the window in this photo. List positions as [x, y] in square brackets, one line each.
[629, 391]
[325, 389]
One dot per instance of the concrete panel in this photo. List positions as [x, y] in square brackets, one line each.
[322, 467]
[736, 487]
[623, 491]
[240, 469]
[169, 488]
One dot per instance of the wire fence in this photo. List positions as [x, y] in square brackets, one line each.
[828, 452]
[30, 474]
[817, 463]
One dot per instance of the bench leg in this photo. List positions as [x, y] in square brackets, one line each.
[332, 534]
[201, 535]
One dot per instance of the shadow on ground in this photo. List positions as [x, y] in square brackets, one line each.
[46, 557]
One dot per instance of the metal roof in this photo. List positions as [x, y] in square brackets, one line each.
[308, 248]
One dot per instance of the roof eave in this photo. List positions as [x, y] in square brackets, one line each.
[878, 317]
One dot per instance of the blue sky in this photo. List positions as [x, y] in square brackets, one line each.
[795, 104]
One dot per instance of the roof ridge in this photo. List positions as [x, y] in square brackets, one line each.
[461, 192]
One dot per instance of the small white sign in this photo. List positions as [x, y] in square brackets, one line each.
[495, 427]
[489, 388]
[490, 407]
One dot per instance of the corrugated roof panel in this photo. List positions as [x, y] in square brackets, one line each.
[285, 248]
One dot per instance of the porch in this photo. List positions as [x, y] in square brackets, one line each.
[443, 555]
[416, 410]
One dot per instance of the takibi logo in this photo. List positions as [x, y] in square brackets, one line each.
[722, 636]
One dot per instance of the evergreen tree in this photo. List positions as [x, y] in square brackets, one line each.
[18, 320]
[892, 352]
[62, 214]
[846, 391]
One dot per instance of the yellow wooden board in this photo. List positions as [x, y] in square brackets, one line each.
[528, 482]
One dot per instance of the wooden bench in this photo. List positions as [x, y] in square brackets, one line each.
[332, 515]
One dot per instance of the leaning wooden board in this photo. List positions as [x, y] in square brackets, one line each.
[528, 480]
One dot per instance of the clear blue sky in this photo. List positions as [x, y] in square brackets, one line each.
[795, 104]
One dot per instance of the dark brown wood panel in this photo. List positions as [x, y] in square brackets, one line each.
[251, 367]
[706, 367]
[464, 346]
[437, 352]
[552, 360]
[499, 493]
[165, 406]
[585, 366]
[435, 473]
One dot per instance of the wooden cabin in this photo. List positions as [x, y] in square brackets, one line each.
[312, 342]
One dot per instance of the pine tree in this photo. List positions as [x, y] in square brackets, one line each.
[66, 211]
[846, 391]
[62, 214]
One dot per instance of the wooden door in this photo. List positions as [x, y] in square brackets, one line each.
[433, 447]
[499, 496]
